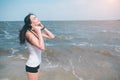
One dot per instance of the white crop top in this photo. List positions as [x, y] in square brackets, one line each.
[34, 56]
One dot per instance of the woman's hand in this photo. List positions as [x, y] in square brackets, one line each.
[41, 25]
[36, 29]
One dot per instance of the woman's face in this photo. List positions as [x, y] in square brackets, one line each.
[34, 20]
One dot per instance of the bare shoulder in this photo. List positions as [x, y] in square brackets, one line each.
[28, 34]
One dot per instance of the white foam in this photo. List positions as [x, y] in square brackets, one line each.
[49, 63]
[82, 44]
[110, 45]
[105, 31]
[79, 59]
[52, 66]
[26, 47]
[8, 23]
[11, 56]
[66, 37]
[48, 44]
[21, 57]
[73, 71]
[117, 49]
[5, 32]
[69, 37]
[7, 35]
[66, 69]
[14, 50]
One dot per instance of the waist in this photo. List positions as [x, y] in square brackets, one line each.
[32, 48]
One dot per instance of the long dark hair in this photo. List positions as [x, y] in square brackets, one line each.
[27, 26]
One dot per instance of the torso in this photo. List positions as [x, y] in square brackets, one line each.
[34, 56]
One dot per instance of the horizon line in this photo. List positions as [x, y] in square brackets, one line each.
[62, 20]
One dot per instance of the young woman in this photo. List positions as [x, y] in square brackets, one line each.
[32, 34]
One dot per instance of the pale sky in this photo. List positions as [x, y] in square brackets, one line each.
[16, 10]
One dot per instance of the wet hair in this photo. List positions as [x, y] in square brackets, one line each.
[27, 26]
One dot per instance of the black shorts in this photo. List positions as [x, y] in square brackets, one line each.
[32, 69]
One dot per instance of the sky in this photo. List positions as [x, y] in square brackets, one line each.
[16, 10]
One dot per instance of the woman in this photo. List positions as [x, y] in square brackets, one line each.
[32, 33]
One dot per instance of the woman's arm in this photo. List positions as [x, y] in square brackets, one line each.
[40, 38]
[47, 33]
[39, 43]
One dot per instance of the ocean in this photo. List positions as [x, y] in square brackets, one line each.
[81, 50]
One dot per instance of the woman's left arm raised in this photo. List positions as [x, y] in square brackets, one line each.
[47, 33]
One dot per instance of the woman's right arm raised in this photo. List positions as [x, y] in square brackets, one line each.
[37, 42]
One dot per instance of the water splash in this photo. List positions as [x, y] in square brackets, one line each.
[21, 57]
[13, 51]
[7, 35]
[65, 37]
[5, 32]
[79, 59]
[82, 44]
[117, 49]
[52, 66]
[108, 31]
[73, 71]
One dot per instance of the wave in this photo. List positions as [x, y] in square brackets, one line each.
[7, 35]
[14, 53]
[19, 56]
[94, 44]
[74, 72]
[5, 32]
[14, 50]
[82, 44]
[49, 44]
[65, 37]
[108, 31]
[117, 49]
[51, 66]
